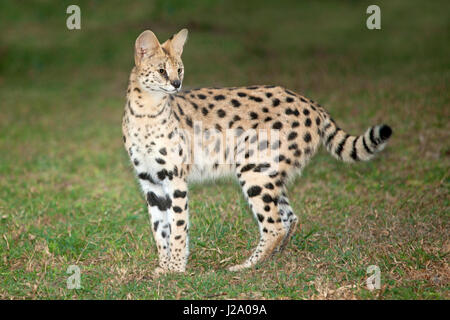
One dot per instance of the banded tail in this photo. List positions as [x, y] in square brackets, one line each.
[350, 148]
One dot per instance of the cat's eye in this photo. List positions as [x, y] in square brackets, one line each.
[180, 70]
[162, 71]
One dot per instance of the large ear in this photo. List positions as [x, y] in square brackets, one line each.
[146, 45]
[177, 42]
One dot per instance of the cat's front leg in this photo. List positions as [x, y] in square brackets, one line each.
[158, 203]
[179, 225]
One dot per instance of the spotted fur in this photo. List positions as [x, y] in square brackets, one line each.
[174, 137]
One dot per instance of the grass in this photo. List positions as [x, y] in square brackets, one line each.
[68, 195]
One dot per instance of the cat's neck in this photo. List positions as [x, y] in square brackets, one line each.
[151, 99]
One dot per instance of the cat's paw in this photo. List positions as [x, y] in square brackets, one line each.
[175, 269]
[239, 267]
[159, 272]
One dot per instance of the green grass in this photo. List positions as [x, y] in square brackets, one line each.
[68, 195]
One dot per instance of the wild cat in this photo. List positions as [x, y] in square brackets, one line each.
[260, 134]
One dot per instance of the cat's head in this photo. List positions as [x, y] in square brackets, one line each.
[159, 66]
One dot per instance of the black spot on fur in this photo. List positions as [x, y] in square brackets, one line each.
[262, 167]
[275, 102]
[160, 161]
[257, 99]
[277, 125]
[308, 122]
[162, 174]
[235, 103]
[179, 194]
[146, 176]
[253, 115]
[163, 203]
[289, 111]
[180, 223]
[219, 97]
[180, 110]
[273, 174]
[247, 167]
[254, 191]
[221, 113]
[292, 135]
[307, 137]
[269, 186]
[189, 121]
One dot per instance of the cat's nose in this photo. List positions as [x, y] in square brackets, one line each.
[176, 83]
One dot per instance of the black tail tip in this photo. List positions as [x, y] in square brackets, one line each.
[385, 132]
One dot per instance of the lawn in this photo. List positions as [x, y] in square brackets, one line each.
[67, 191]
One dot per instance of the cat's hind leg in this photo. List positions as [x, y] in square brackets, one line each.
[263, 196]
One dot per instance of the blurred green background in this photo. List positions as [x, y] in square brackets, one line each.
[67, 192]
